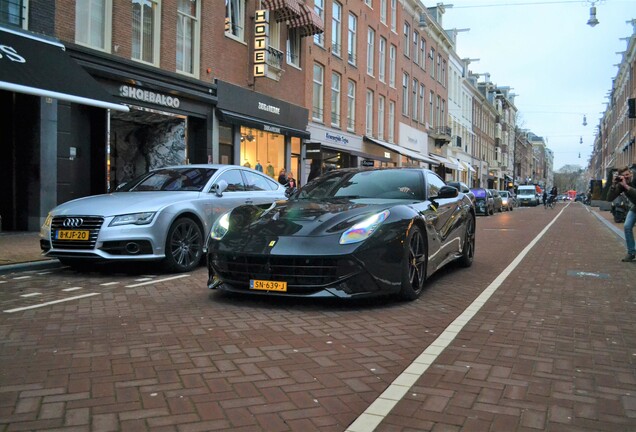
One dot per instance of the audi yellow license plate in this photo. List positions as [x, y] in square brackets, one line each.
[264, 285]
[72, 234]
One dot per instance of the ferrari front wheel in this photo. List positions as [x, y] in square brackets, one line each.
[468, 248]
[413, 264]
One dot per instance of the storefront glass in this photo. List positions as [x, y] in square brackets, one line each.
[263, 151]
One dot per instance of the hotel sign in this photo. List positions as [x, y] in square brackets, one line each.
[261, 41]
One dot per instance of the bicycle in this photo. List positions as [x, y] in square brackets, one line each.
[551, 201]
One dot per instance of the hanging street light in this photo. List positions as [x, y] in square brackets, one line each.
[592, 21]
[584, 120]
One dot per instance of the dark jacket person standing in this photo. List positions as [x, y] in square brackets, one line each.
[625, 183]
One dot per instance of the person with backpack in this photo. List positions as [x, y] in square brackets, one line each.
[625, 183]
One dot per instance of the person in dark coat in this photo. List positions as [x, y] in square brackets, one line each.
[625, 183]
[282, 177]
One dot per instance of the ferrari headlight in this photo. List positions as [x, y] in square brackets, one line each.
[363, 230]
[220, 227]
[133, 219]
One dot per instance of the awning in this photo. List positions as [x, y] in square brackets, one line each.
[253, 122]
[460, 167]
[403, 151]
[41, 67]
[443, 160]
[308, 22]
[286, 10]
[468, 166]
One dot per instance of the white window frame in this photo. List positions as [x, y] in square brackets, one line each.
[235, 11]
[352, 39]
[394, 16]
[416, 38]
[391, 131]
[351, 105]
[407, 39]
[422, 118]
[383, 11]
[319, 8]
[423, 53]
[370, 51]
[94, 14]
[382, 59]
[195, 41]
[293, 48]
[318, 96]
[405, 93]
[156, 36]
[336, 80]
[369, 113]
[336, 29]
[381, 103]
[392, 55]
[369, 3]
[415, 103]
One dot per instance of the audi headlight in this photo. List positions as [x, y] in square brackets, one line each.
[133, 219]
[220, 227]
[363, 230]
[47, 222]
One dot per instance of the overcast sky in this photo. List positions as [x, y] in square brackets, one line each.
[560, 68]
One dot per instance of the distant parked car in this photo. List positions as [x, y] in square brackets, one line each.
[497, 201]
[463, 188]
[164, 215]
[507, 200]
[484, 203]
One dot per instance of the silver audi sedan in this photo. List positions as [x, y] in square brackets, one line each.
[163, 215]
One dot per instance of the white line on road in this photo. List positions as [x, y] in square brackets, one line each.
[21, 277]
[382, 406]
[143, 279]
[72, 289]
[109, 283]
[157, 281]
[20, 309]
[33, 294]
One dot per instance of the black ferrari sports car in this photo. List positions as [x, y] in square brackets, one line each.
[350, 233]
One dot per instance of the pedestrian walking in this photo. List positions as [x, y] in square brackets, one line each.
[545, 198]
[625, 183]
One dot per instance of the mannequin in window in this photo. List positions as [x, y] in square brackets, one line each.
[258, 167]
[270, 169]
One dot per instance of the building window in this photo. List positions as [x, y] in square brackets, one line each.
[368, 3]
[382, 59]
[407, 42]
[392, 54]
[438, 119]
[394, 15]
[369, 113]
[431, 57]
[235, 19]
[370, 51]
[93, 23]
[422, 118]
[405, 94]
[383, 11]
[443, 113]
[145, 30]
[423, 53]
[14, 13]
[336, 29]
[415, 102]
[444, 73]
[381, 102]
[352, 39]
[318, 96]
[431, 111]
[188, 12]
[439, 67]
[335, 99]
[319, 8]
[416, 41]
[391, 124]
[351, 105]
[293, 47]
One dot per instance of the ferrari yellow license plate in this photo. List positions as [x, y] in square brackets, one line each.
[72, 234]
[265, 285]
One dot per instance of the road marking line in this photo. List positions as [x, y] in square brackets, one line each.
[21, 277]
[33, 294]
[382, 406]
[72, 289]
[49, 303]
[156, 281]
[3, 281]
[143, 279]
[109, 283]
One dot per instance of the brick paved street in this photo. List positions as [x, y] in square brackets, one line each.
[552, 349]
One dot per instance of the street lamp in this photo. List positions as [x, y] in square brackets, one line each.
[592, 21]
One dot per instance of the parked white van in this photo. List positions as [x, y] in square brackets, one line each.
[527, 195]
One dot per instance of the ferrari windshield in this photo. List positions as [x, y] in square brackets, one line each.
[170, 179]
[383, 184]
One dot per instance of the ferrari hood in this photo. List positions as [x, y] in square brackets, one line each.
[122, 203]
[306, 217]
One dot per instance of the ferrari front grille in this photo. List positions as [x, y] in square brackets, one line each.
[296, 271]
[92, 224]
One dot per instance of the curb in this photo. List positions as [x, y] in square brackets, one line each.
[31, 265]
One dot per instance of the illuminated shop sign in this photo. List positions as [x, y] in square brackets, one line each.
[149, 96]
[261, 37]
[269, 108]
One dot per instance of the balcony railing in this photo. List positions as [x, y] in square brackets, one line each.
[274, 58]
[441, 135]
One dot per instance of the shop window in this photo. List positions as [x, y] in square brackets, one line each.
[262, 151]
[93, 23]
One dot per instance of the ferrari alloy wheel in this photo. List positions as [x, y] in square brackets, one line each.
[184, 246]
[468, 248]
[414, 265]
